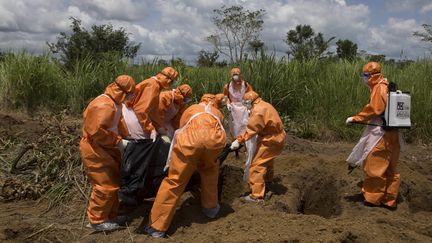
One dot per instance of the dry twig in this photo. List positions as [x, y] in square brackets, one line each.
[39, 231]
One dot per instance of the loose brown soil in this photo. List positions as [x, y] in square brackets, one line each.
[312, 199]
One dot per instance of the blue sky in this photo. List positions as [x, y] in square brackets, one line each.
[178, 27]
[381, 10]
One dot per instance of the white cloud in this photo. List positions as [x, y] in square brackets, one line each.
[331, 19]
[179, 27]
[426, 8]
[126, 10]
[395, 36]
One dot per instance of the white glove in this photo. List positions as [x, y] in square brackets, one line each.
[122, 145]
[153, 135]
[235, 145]
[166, 139]
[349, 121]
[229, 107]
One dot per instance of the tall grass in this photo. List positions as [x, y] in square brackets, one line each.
[313, 97]
[30, 81]
[87, 80]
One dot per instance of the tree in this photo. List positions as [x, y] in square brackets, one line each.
[346, 49]
[425, 36]
[377, 58]
[235, 28]
[304, 44]
[207, 59]
[100, 42]
[256, 46]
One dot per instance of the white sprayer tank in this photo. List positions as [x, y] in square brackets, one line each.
[398, 110]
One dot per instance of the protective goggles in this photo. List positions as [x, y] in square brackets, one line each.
[365, 75]
[173, 81]
[129, 95]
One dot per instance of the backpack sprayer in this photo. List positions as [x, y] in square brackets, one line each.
[398, 110]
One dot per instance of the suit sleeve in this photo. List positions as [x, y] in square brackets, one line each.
[99, 119]
[254, 126]
[376, 106]
[226, 93]
[164, 105]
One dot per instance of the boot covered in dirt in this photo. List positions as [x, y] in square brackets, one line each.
[105, 226]
[211, 212]
[154, 233]
[250, 199]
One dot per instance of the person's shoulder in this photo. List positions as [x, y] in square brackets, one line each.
[166, 94]
[382, 87]
[263, 107]
[101, 102]
[147, 82]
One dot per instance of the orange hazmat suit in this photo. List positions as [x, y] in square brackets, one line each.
[235, 91]
[226, 88]
[265, 122]
[98, 148]
[196, 145]
[172, 104]
[146, 101]
[382, 180]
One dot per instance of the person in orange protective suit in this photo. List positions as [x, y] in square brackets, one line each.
[264, 121]
[172, 104]
[378, 150]
[100, 154]
[195, 146]
[145, 105]
[235, 91]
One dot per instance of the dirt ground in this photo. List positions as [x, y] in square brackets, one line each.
[313, 199]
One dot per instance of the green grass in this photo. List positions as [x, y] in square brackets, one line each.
[314, 98]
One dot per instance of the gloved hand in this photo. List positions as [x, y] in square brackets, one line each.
[349, 121]
[153, 135]
[235, 145]
[166, 139]
[229, 107]
[122, 145]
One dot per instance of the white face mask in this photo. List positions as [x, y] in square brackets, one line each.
[236, 78]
